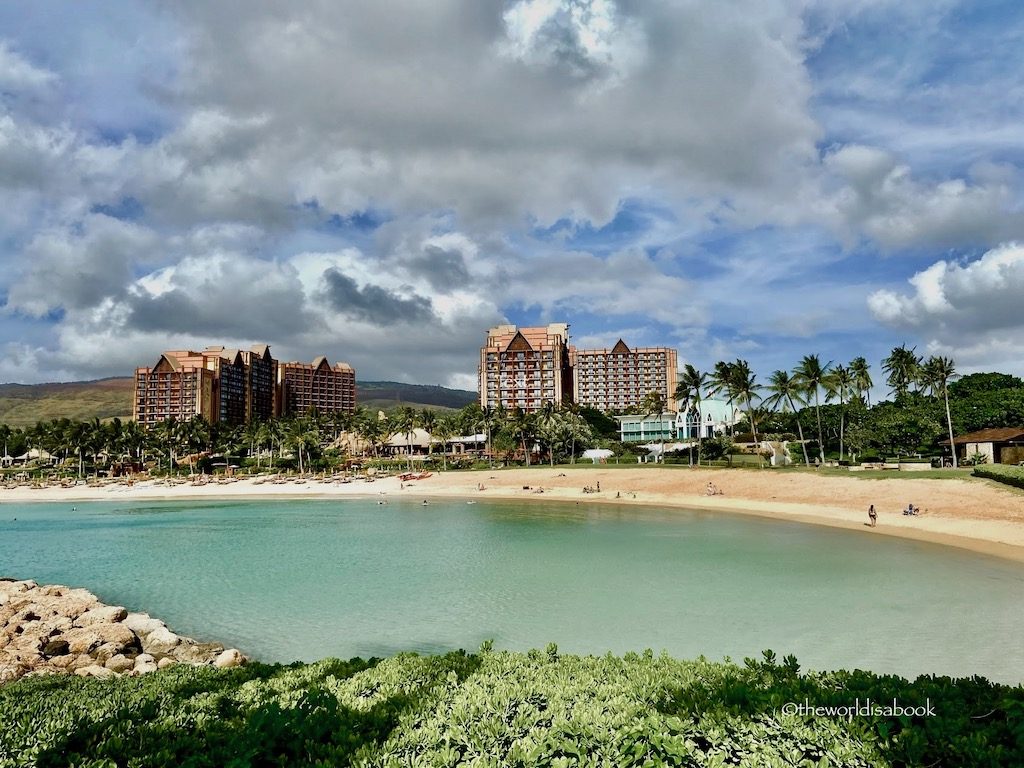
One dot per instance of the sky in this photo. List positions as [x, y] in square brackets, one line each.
[382, 182]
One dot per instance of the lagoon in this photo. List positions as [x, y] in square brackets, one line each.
[288, 580]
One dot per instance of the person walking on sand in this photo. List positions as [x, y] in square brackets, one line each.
[872, 515]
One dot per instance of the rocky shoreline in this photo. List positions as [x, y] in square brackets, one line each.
[54, 629]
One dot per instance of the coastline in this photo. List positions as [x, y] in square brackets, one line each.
[963, 513]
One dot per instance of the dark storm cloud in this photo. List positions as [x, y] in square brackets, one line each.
[373, 303]
[443, 268]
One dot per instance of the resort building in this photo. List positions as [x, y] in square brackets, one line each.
[178, 386]
[316, 386]
[525, 367]
[620, 378]
[999, 445]
[238, 386]
[639, 428]
[687, 423]
[713, 418]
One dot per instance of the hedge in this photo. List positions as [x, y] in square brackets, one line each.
[1001, 473]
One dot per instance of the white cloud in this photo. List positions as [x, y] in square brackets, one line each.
[968, 310]
[18, 74]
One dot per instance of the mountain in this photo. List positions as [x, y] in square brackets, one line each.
[22, 405]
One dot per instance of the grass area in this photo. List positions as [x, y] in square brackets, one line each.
[516, 709]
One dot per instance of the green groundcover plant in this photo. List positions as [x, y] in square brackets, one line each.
[507, 709]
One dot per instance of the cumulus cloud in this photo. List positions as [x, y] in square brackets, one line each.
[18, 74]
[883, 201]
[373, 303]
[964, 309]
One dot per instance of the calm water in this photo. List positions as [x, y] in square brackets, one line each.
[286, 580]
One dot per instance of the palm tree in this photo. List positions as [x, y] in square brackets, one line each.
[745, 386]
[523, 426]
[811, 375]
[444, 430]
[902, 368]
[428, 421]
[720, 382]
[654, 404]
[549, 424]
[936, 373]
[788, 393]
[301, 434]
[862, 382]
[839, 383]
[690, 387]
[405, 420]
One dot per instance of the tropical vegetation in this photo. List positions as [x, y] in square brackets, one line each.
[539, 708]
[822, 405]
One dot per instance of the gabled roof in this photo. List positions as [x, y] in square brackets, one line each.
[620, 348]
[993, 435]
[519, 344]
[261, 350]
[166, 363]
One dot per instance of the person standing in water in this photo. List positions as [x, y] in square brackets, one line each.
[872, 515]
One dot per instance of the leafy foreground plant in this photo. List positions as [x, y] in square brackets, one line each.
[504, 709]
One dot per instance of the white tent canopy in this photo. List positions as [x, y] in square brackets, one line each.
[596, 454]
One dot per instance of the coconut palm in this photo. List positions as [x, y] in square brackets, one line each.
[744, 384]
[936, 373]
[690, 389]
[811, 375]
[302, 434]
[902, 368]
[524, 427]
[839, 384]
[786, 394]
[654, 404]
[405, 421]
[444, 430]
[862, 382]
[427, 419]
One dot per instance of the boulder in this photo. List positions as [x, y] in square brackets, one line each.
[95, 670]
[107, 614]
[161, 641]
[120, 663]
[142, 623]
[144, 668]
[229, 658]
[56, 647]
[87, 639]
[197, 653]
[165, 662]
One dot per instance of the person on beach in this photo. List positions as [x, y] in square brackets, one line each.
[872, 515]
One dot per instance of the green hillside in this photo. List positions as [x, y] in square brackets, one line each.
[23, 405]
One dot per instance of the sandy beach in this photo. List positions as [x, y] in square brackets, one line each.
[967, 513]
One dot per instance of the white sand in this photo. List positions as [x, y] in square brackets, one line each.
[968, 513]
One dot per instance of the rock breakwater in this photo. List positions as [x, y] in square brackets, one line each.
[54, 629]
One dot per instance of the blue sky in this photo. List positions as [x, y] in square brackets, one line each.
[382, 182]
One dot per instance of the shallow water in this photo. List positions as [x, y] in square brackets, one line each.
[286, 580]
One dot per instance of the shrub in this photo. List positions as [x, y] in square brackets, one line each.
[1001, 473]
[540, 708]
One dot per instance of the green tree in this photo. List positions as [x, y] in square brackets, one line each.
[810, 373]
[862, 383]
[690, 389]
[840, 384]
[936, 374]
[902, 368]
[786, 394]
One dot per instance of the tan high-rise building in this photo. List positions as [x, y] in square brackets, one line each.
[525, 367]
[239, 386]
[305, 386]
[620, 378]
[179, 386]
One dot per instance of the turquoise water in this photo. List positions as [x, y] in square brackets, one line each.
[287, 580]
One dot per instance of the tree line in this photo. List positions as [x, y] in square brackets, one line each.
[826, 406]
